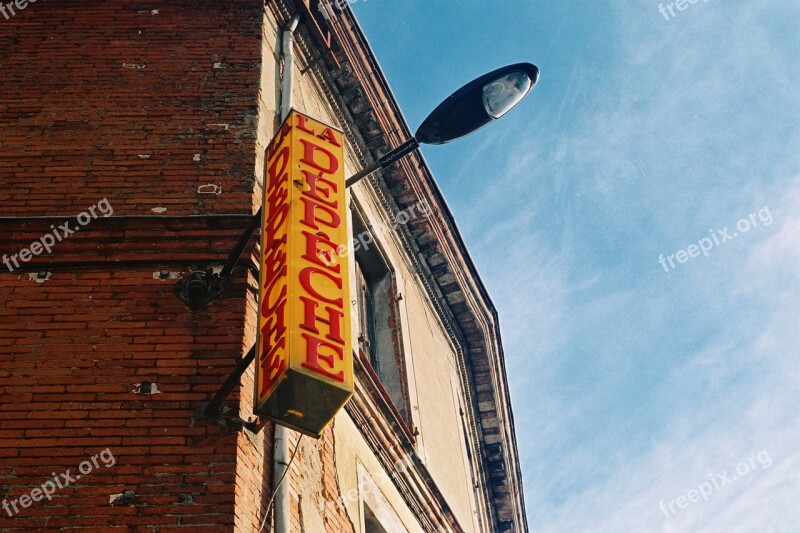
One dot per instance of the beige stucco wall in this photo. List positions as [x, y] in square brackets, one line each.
[354, 454]
[434, 386]
[434, 383]
[437, 388]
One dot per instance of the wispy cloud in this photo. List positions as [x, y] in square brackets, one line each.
[633, 385]
[730, 400]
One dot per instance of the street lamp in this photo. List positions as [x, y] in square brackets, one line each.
[470, 108]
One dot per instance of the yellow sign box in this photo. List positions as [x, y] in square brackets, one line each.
[304, 365]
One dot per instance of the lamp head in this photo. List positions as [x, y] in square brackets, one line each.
[478, 103]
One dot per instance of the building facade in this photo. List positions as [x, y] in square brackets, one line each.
[132, 154]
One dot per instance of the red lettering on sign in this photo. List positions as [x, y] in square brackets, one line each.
[333, 320]
[305, 281]
[321, 194]
[272, 366]
[328, 135]
[315, 358]
[310, 153]
[312, 212]
[317, 255]
[271, 357]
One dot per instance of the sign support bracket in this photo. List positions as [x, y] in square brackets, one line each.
[213, 408]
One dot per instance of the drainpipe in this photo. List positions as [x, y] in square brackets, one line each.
[287, 55]
[281, 449]
[282, 519]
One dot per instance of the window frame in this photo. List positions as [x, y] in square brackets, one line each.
[375, 358]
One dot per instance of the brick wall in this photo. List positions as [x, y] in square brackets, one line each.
[141, 102]
[76, 349]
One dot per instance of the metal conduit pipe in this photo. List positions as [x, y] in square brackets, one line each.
[281, 446]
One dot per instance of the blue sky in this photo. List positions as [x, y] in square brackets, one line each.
[633, 383]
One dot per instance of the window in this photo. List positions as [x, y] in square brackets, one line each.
[378, 316]
[367, 340]
[371, 522]
[377, 515]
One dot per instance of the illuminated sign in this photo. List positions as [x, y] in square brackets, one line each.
[304, 365]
